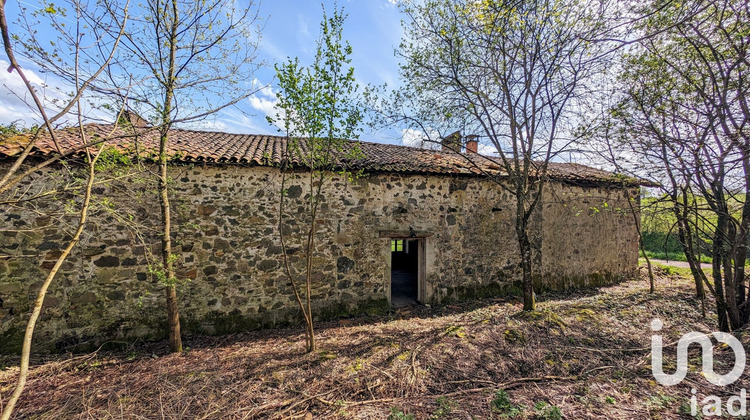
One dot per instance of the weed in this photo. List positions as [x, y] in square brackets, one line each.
[455, 331]
[584, 314]
[686, 410]
[357, 366]
[397, 414]
[502, 405]
[544, 317]
[545, 411]
[445, 407]
[660, 401]
[514, 336]
[610, 399]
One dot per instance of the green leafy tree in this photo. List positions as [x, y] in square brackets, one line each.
[684, 117]
[319, 114]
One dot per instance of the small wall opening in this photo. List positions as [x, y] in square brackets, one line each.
[405, 272]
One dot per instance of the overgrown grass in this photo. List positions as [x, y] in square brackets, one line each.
[671, 270]
[666, 246]
[674, 256]
[583, 355]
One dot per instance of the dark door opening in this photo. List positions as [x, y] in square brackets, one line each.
[404, 271]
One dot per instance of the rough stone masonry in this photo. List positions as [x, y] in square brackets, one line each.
[229, 257]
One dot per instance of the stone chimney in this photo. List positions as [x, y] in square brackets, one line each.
[451, 142]
[472, 144]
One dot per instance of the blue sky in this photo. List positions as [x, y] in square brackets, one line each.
[373, 28]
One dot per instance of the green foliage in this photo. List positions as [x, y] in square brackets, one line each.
[545, 411]
[112, 160]
[686, 410]
[504, 407]
[318, 112]
[14, 129]
[663, 245]
[659, 231]
[679, 118]
[455, 331]
[660, 401]
[317, 105]
[445, 408]
[397, 414]
[157, 270]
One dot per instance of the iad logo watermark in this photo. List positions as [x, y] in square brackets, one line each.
[711, 405]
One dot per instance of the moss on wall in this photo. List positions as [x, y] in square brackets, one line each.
[11, 341]
[230, 263]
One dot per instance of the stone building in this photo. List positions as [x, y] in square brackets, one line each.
[416, 225]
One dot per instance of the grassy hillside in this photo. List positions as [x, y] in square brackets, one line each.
[659, 230]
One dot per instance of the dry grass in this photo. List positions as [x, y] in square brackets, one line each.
[587, 354]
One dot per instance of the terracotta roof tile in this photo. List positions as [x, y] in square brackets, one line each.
[268, 150]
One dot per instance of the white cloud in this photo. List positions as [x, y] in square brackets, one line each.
[209, 125]
[273, 51]
[265, 102]
[17, 105]
[265, 105]
[417, 138]
[303, 27]
[487, 150]
[411, 137]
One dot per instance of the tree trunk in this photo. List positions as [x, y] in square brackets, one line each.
[651, 283]
[309, 332]
[524, 245]
[529, 302]
[686, 241]
[718, 257]
[315, 195]
[683, 232]
[175, 340]
[39, 303]
[311, 345]
[741, 252]
[641, 246]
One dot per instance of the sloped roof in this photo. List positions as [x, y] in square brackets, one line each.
[191, 146]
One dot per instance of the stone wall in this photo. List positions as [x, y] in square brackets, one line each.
[589, 237]
[229, 253]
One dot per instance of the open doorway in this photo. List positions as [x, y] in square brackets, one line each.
[405, 271]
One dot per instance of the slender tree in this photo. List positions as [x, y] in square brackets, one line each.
[510, 71]
[685, 114]
[318, 113]
[20, 169]
[76, 54]
[184, 61]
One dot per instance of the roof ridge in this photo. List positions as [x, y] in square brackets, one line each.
[193, 145]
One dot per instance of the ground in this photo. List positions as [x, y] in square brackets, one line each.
[678, 264]
[582, 355]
